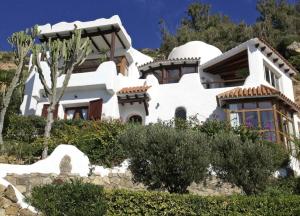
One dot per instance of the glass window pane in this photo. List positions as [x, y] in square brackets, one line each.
[84, 113]
[173, 75]
[267, 74]
[267, 120]
[291, 128]
[235, 106]
[158, 75]
[269, 136]
[236, 119]
[251, 119]
[187, 70]
[273, 79]
[250, 106]
[70, 114]
[265, 105]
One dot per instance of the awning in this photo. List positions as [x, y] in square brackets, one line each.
[136, 94]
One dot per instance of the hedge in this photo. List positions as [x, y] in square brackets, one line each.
[78, 198]
[121, 202]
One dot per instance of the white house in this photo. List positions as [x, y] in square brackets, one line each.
[250, 84]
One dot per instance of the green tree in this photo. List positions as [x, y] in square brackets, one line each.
[278, 23]
[163, 157]
[247, 164]
[61, 58]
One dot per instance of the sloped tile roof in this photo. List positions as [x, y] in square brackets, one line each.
[259, 91]
[133, 90]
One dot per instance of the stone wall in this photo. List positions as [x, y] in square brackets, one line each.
[25, 183]
[8, 203]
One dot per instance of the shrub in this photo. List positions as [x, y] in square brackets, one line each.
[282, 186]
[163, 157]
[247, 164]
[69, 198]
[99, 141]
[25, 128]
[122, 202]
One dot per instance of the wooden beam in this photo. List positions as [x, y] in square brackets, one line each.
[113, 46]
[263, 48]
[146, 107]
[121, 41]
[93, 42]
[83, 35]
[103, 37]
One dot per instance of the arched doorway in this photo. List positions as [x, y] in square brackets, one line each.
[180, 113]
[135, 119]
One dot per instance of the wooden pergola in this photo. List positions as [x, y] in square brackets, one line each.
[102, 37]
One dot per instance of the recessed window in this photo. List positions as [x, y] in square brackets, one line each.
[271, 77]
[76, 113]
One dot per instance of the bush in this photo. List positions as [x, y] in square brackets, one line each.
[247, 164]
[25, 128]
[73, 198]
[122, 202]
[282, 186]
[97, 139]
[163, 157]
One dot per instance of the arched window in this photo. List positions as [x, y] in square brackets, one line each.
[136, 119]
[180, 113]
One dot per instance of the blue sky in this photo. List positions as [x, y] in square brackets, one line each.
[140, 17]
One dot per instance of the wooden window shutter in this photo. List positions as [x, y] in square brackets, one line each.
[45, 111]
[95, 109]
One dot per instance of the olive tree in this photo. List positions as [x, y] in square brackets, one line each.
[22, 43]
[61, 56]
[163, 157]
[245, 163]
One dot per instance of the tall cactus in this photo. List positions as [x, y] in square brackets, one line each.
[61, 57]
[22, 43]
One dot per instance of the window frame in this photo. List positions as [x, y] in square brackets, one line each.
[274, 78]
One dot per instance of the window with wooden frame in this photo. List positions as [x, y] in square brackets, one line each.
[272, 77]
[93, 111]
[172, 74]
[273, 121]
[75, 113]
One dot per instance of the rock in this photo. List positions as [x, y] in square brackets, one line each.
[295, 46]
[65, 165]
[4, 203]
[10, 194]
[2, 212]
[2, 189]
[21, 188]
[26, 212]
[13, 209]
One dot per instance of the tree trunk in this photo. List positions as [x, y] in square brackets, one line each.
[48, 127]
[6, 100]
[2, 117]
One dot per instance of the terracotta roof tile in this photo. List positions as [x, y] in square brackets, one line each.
[259, 91]
[133, 90]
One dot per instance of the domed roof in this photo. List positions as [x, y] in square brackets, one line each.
[195, 49]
